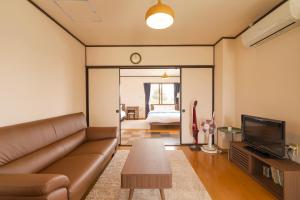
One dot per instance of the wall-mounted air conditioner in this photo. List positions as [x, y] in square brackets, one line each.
[282, 19]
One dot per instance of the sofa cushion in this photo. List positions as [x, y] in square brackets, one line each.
[68, 124]
[42, 158]
[19, 140]
[82, 171]
[31, 184]
[59, 194]
[104, 147]
[22, 139]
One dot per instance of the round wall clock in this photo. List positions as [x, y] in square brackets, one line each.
[135, 58]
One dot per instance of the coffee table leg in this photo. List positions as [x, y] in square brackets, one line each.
[162, 194]
[130, 194]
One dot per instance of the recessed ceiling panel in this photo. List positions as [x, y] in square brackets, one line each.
[83, 11]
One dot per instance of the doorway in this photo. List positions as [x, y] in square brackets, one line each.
[150, 105]
[107, 106]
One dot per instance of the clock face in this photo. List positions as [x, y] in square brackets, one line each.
[135, 58]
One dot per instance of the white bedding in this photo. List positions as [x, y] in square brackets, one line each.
[168, 116]
[123, 114]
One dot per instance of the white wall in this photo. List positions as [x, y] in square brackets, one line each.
[265, 79]
[157, 56]
[132, 90]
[268, 82]
[225, 84]
[118, 56]
[41, 66]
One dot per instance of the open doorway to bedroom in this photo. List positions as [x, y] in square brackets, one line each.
[150, 105]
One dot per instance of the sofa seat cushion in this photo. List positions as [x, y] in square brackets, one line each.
[104, 147]
[82, 171]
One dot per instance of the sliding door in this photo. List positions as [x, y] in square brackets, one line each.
[196, 85]
[104, 97]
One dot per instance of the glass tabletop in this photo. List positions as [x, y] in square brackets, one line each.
[233, 130]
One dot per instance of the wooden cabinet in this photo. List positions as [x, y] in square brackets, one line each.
[253, 162]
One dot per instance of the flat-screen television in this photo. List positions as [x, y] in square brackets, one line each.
[264, 135]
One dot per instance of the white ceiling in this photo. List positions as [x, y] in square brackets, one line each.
[121, 22]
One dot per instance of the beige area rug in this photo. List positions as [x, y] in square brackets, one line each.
[186, 184]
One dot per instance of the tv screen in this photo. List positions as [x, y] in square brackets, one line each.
[265, 135]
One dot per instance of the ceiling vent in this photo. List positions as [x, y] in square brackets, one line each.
[282, 19]
[79, 10]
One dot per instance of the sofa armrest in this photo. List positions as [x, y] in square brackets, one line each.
[99, 133]
[31, 184]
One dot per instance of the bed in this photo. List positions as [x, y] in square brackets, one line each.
[163, 115]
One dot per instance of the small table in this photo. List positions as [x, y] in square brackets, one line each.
[132, 111]
[147, 167]
[232, 132]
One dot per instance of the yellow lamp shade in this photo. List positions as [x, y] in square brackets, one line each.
[159, 16]
[165, 76]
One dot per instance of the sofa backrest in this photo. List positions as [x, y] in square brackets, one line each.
[30, 147]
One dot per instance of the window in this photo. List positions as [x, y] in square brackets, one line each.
[154, 94]
[162, 93]
[167, 94]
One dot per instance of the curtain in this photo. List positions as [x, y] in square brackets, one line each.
[147, 87]
[176, 90]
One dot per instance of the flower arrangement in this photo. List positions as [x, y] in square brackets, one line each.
[209, 125]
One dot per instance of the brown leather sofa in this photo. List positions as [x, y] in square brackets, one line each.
[55, 159]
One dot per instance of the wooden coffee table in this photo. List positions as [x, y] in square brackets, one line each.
[147, 167]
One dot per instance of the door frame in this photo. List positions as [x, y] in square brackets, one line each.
[180, 67]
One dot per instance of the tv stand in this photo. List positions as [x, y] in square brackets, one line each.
[258, 153]
[253, 162]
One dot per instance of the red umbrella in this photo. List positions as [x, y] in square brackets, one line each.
[194, 125]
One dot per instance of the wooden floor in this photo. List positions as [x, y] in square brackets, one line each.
[169, 136]
[223, 179]
[172, 131]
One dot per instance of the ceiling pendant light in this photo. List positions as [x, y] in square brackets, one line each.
[165, 76]
[159, 16]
